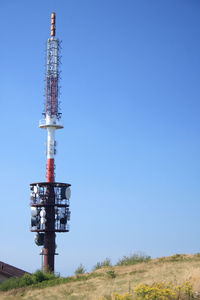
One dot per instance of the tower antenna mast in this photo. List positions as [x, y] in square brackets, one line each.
[50, 200]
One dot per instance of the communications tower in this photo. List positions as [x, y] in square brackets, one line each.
[50, 200]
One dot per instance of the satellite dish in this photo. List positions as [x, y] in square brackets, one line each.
[59, 215]
[40, 190]
[63, 193]
[34, 221]
[63, 220]
[68, 193]
[39, 239]
[34, 211]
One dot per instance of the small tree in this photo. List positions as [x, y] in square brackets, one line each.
[80, 270]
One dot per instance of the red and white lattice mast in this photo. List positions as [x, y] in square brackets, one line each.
[52, 114]
[50, 200]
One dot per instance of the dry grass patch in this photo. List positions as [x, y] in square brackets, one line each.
[175, 269]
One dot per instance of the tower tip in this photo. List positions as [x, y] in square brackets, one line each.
[53, 24]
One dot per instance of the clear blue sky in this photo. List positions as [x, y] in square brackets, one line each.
[131, 110]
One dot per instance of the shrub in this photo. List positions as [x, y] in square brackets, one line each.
[111, 274]
[157, 291]
[9, 284]
[126, 296]
[164, 291]
[97, 266]
[105, 263]
[39, 276]
[80, 270]
[176, 257]
[133, 259]
[27, 280]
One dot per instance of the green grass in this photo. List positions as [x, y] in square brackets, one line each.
[111, 274]
[26, 280]
[80, 270]
[137, 272]
[177, 258]
[133, 259]
[105, 263]
[42, 280]
[109, 279]
[124, 261]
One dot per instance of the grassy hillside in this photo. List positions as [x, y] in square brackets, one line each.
[101, 283]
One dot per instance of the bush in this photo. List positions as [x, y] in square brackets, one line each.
[26, 280]
[11, 283]
[133, 259]
[105, 263]
[39, 276]
[164, 291]
[156, 291]
[97, 266]
[176, 257]
[111, 274]
[80, 270]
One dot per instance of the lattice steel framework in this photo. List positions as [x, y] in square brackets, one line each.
[52, 78]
